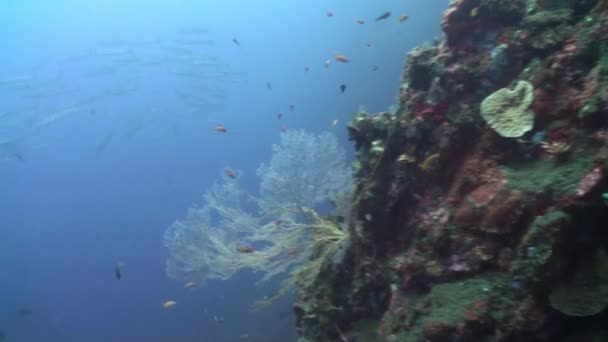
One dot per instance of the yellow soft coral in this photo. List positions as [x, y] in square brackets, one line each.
[300, 249]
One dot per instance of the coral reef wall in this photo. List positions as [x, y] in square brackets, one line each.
[480, 212]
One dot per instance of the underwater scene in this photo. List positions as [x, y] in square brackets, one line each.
[312, 171]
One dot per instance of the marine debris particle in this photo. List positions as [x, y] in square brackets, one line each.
[220, 129]
[245, 249]
[508, 111]
[229, 173]
[342, 58]
[118, 270]
[190, 285]
[168, 304]
[383, 16]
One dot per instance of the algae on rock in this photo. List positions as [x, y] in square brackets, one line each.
[585, 293]
[549, 176]
[537, 248]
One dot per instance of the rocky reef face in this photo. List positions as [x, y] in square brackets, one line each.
[471, 226]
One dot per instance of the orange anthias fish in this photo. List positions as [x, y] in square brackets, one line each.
[360, 21]
[220, 128]
[403, 18]
[283, 129]
[230, 173]
[330, 14]
[342, 58]
[245, 249]
[279, 116]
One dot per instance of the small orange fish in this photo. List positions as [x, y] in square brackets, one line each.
[342, 58]
[369, 44]
[283, 128]
[220, 128]
[293, 251]
[230, 173]
[190, 285]
[169, 304]
[403, 18]
[360, 21]
[306, 68]
[292, 107]
[279, 116]
[245, 249]
[277, 222]
[330, 14]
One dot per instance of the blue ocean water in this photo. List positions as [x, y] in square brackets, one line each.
[107, 110]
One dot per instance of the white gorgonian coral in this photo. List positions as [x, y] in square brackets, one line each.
[285, 234]
[305, 170]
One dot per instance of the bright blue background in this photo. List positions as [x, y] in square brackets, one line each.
[69, 213]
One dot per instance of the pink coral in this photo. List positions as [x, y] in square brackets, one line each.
[589, 181]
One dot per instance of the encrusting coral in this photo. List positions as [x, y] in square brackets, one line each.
[508, 111]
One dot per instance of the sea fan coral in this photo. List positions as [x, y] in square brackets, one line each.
[278, 234]
[305, 170]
